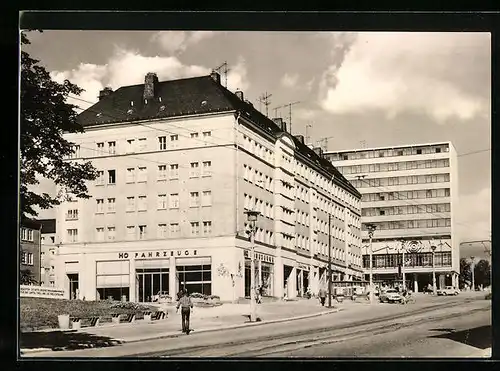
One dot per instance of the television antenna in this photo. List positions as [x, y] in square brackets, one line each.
[224, 70]
[264, 99]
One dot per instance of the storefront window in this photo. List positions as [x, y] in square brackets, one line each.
[112, 280]
[151, 278]
[267, 278]
[195, 275]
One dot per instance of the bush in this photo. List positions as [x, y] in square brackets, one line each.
[214, 297]
[197, 295]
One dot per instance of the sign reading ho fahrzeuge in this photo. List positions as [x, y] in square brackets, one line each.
[156, 254]
[41, 292]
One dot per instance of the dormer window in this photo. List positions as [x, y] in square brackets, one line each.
[159, 99]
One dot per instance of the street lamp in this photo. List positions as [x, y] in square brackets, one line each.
[433, 248]
[371, 229]
[252, 219]
[472, 272]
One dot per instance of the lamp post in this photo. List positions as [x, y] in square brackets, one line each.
[329, 262]
[252, 218]
[371, 229]
[433, 248]
[472, 272]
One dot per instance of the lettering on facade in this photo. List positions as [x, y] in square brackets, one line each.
[158, 254]
[41, 292]
[259, 256]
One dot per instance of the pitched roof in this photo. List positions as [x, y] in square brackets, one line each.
[189, 96]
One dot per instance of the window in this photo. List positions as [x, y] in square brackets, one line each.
[142, 203]
[112, 148]
[72, 214]
[438, 150]
[207, 227]
[174, 200]
[162, 143]
[100, 149]
[174, 171]
[130, 145]
[162, 230]
[207, 168]
[99, 234]
[174, 229]
[130, 232]
[111, 176]
[130, 175]
[162, 202]
[100, 205]
[207, 134]
[162, 172]
[194, 135]
[419, 151]
[130, 204]
[100, 178]
[194, 199]
[142, 144]
[206, 198]
[174, 139]
[143, 174]
[76, 152]
[111, 233]
[142, 232]
[195, 228]
[26, 234]
[195, 170]
[72, 235]
[27, 258]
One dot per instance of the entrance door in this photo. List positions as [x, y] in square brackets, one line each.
[73, 285]
[150, 282]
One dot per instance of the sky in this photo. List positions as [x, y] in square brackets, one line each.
[356, 89]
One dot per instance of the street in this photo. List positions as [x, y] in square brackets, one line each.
[439, 327]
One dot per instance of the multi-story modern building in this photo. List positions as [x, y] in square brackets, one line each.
[48, 252]
[409, 195]
[29, 249]
[179, 163]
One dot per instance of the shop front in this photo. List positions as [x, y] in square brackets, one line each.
[302, 279]
[264, 273]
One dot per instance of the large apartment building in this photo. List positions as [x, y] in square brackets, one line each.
[48, 252]
[179, 163]
[409, 193]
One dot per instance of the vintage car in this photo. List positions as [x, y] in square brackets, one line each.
[390, 296]
[447, 290]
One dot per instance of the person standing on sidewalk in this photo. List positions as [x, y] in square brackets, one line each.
[322, 296]
[186, 305]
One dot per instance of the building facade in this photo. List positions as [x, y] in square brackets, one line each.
[409, 193]
[48, 252]
[29, 249]
[179, 162]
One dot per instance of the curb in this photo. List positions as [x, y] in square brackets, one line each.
[176, 334]
[249, 324]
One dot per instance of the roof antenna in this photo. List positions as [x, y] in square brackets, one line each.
[264, 98]
[223, 68]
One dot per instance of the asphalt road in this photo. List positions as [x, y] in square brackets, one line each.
[442, 327]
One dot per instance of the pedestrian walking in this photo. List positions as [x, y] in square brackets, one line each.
[322, 296]
[186, 305]
[260, 292]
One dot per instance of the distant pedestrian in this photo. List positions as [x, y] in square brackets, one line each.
[180, 294]
[186, 305]
[322, 296]
[260, 293]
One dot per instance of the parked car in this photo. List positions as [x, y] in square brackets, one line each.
[447, 290]
[390, 296]
[161, 296]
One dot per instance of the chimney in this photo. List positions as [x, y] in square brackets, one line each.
[239, 94]
[279, 121]
[150, 83]
[215, 76]
[318, 151]
[300, 138]
[105, 92]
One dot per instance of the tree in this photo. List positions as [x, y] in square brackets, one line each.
[482, 273]
[465, 276]
[45, 116]
[26, 277]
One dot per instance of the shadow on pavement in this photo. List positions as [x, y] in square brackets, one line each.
[69, 340]
[478, 337]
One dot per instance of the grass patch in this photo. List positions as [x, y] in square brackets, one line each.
[41, 313]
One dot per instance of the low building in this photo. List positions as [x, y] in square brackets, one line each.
[179, 162]
[29, 248]
[409, 193]
[48, 252]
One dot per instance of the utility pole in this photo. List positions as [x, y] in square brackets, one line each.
[252, 218]
[264, 98]
[472, 272]
[223, 68]
[371, 229]
[329, 261]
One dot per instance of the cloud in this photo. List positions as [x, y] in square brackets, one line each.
[177, 41]
[445, 75]
[237, 76]
[289, 81]
[304, 114]
[124, 68]
[473, 214]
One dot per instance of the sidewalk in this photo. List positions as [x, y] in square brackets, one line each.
[202, 320]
